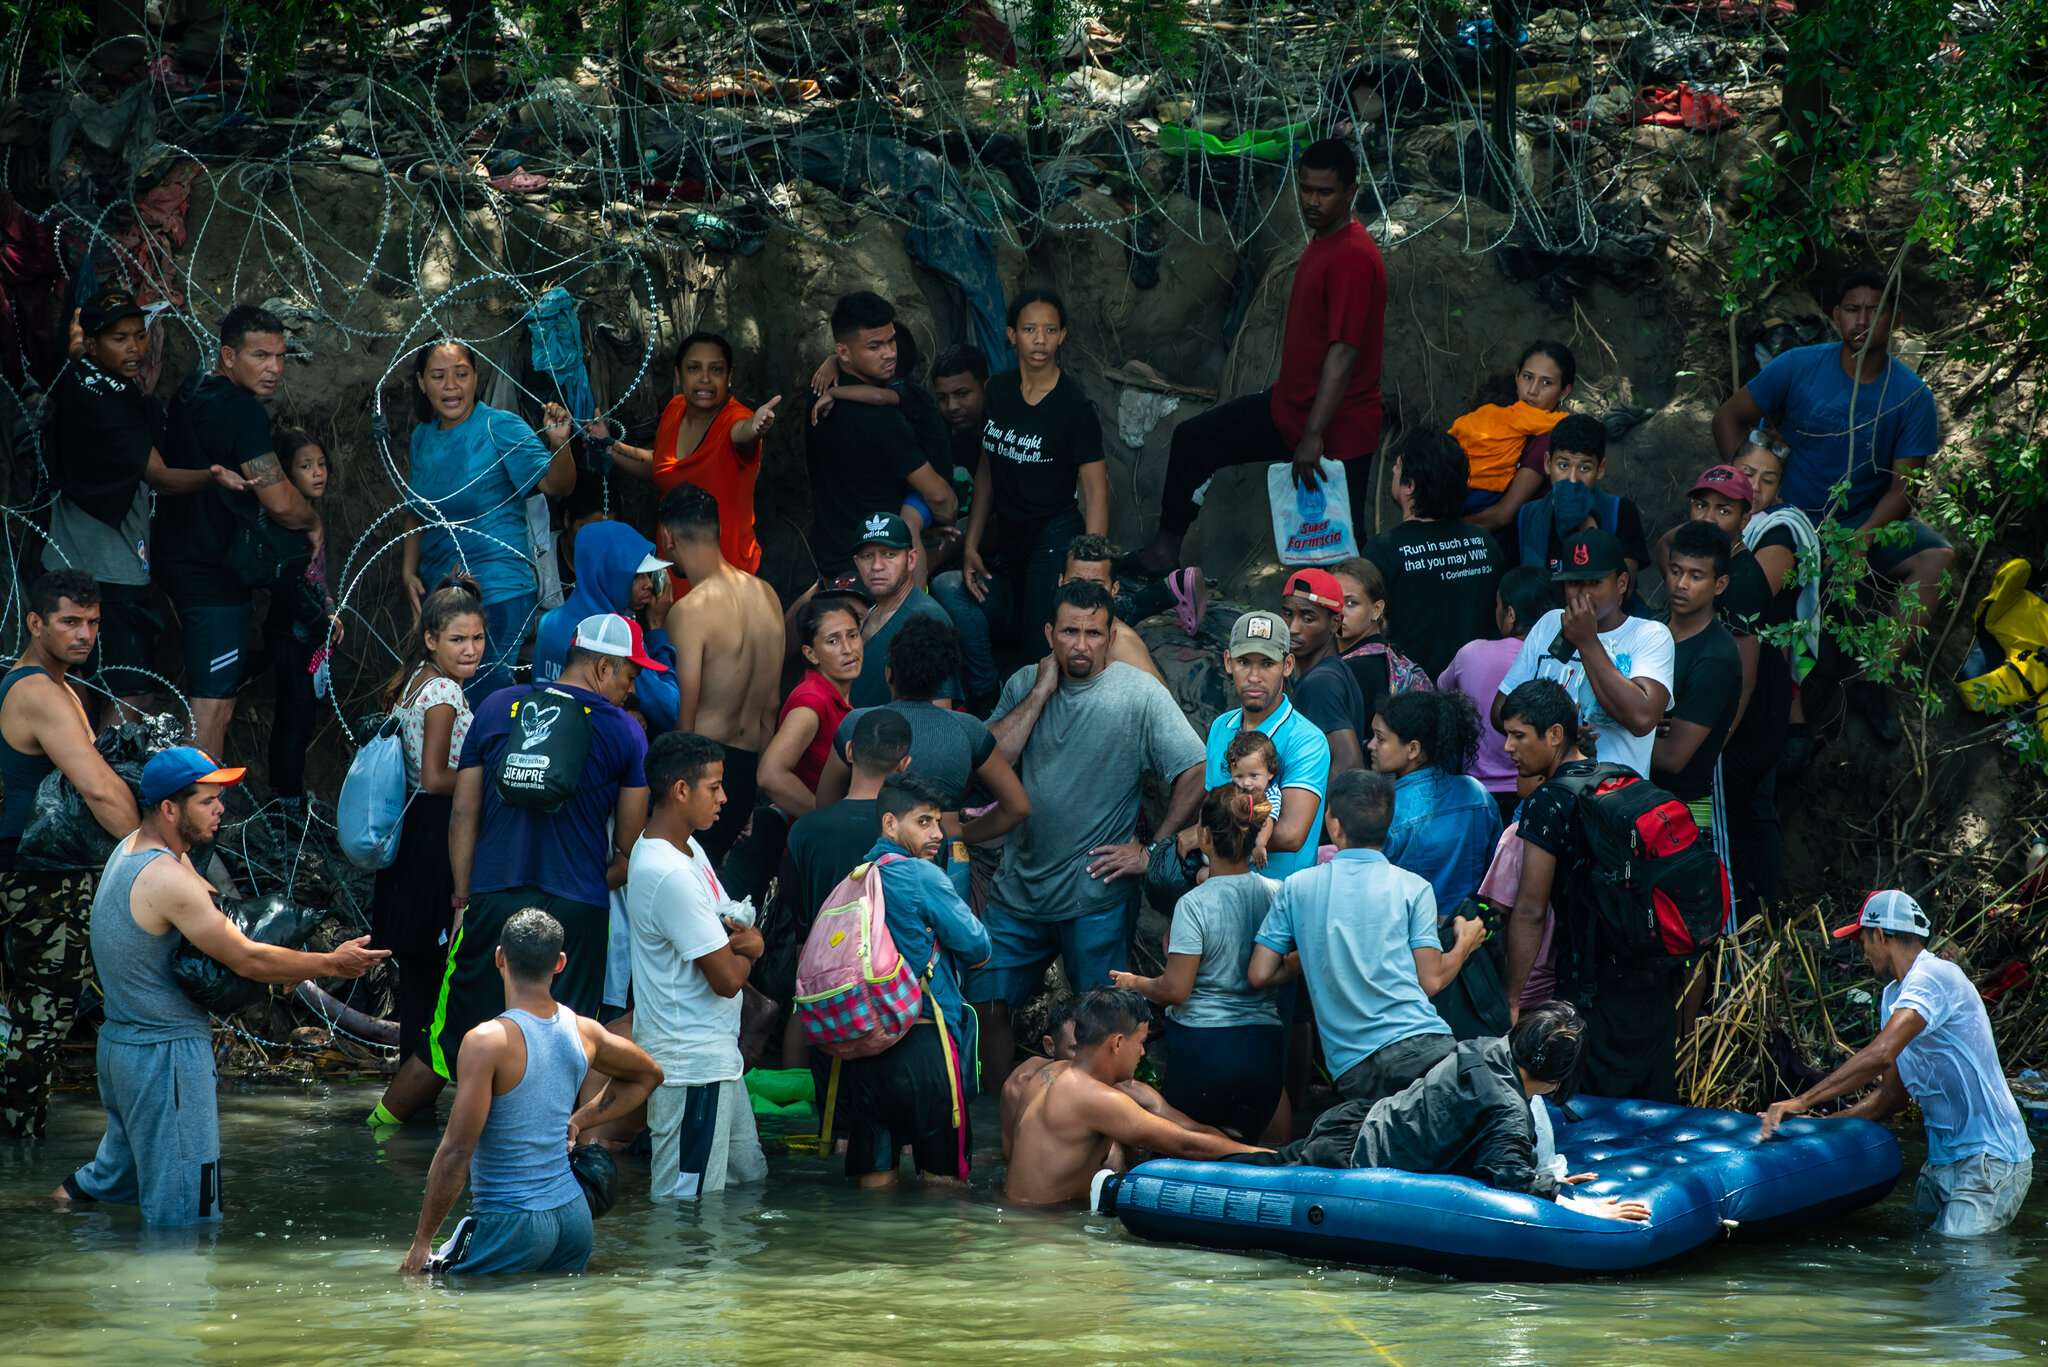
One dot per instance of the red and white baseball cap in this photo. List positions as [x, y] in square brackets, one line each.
[1890, 911]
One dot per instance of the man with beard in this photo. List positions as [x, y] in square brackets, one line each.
[43, 912]
[1083, 733]
[161, 1150]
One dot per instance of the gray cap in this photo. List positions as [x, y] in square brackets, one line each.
[1260, 633]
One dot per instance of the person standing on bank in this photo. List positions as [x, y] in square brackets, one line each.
[44, 913]
[412, 912]
[1041, 446]
[1937, 1049]
[1327, 399]
[103, 458]
[161, 1150]
[514, 1109]
[217, 419]
[472, 467]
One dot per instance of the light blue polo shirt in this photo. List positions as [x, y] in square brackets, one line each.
[1358, 921]
[1304, 767]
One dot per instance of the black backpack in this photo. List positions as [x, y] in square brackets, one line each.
[545, 750]
[1651, 888]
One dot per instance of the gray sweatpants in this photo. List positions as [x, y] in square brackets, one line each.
[161, 1150]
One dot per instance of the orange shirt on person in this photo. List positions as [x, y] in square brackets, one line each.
[717, 468]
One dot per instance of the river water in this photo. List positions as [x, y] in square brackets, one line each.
[808, 1271]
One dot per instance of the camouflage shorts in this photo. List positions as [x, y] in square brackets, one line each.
[44, 920]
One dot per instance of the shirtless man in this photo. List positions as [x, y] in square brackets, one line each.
[1078, 1115]
[728, 637]
[1090, 557]
[1030, 1077]
[44, 913]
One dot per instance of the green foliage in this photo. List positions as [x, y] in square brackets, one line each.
[40, 27]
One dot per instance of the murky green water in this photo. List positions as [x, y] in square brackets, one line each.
[808, 1271]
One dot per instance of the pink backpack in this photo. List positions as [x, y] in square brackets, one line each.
[1403, 674]
[854, 994]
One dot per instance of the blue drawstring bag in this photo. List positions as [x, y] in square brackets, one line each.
[371, 810]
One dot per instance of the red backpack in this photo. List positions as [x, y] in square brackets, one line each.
[1651, 887]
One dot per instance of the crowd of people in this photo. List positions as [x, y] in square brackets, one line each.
[627, 811]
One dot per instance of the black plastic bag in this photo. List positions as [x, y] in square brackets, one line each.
[267, 920]
[597, 1172]
[62, 832]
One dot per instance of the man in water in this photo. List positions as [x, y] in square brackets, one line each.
[1067, 1129]
[1936, 1048]
[1469, 1116]
[161, 1150]
[1030, 1077]
[44, 912]
[728, 637]
[515, 1120]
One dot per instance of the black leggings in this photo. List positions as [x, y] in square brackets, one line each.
[291, 729]
[1240, 432]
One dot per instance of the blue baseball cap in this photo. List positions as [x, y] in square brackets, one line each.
[178, 768]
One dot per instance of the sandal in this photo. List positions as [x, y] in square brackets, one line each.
[1190, 598]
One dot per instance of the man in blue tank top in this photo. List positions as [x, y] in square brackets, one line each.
[515, 1119]
[155, 1052]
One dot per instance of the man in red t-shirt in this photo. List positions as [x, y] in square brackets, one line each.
[708, 438]
[1326, 402]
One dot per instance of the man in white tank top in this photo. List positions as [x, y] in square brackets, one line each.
[515, 1120]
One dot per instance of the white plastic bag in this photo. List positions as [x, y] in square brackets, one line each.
[1311, 526]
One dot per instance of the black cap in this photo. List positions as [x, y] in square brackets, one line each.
[1590, 555]
[105, 309]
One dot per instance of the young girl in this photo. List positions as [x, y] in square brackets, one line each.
[1506, 443]
[413, 906]
[1525, 594]
[1380, 669]
[296, 631]
[1444, 824]
[1225, 1044]
[1254, 764]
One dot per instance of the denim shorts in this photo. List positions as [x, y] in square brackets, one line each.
[1020, 948]
[1885, 560]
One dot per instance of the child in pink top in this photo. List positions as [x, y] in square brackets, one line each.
[1525, 594]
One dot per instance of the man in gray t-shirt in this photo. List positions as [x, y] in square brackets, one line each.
[1083, 734]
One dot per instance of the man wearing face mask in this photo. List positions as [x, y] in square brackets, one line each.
[544, 767]
[1617, 668]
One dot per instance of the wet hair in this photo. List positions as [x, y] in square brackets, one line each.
[1442, 721]
[1059, 1017]
[1702, 541]
[455, 596]
[1232, 819]
[704, 339]
[1543, 703]
[1547, 1043]
[689, 513]
[923, 655]
[857, 312]
[1438, 469]
[1090, 549]
[1560, 355]
[45, 591]
[244, 319]
[1861, 278]
[1029, 297]
[812, 619]
[964, 358]
[422, 411]
[1363, 803]
[1363, 573]
[532, 941]
[679, 757]
[1248, 743]
[903, 794]
[1581, 433]
[881, 738]
[1330, 154]
[1079, 593]
[1528, 593]
[1105, 1011]
[287, 442]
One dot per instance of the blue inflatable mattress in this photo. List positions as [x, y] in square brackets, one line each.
[1700, 1172]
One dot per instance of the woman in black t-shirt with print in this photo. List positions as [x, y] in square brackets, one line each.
[1041, 445]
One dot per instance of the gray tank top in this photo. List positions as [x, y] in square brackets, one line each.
[144, 1004]
[521, 1160]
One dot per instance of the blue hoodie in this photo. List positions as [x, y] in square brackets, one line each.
[608, 556]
